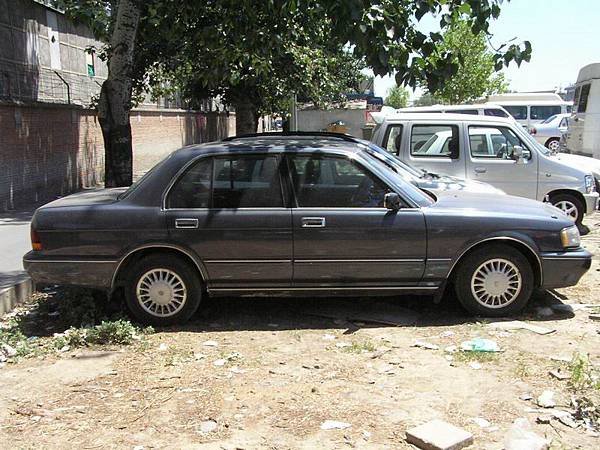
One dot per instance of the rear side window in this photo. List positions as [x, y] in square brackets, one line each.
[393, 139]
[543, 112]
[583, 99]
[518, 112]
[473, 112]
[492, 142]
[438, 141]
[494, 112]
[232, 182]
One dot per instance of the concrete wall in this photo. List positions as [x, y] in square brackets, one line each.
[317, 120]
[52, 150]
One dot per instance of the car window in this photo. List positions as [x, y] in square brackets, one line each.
[564, 123]
[393, 139]
[583, 98]
[192, 190]
[434, 140]
[231, 182]
[473, 112]
[518, 112]
[496, 112]
[543, 112]
[334, 182]
[550, 119]
[502, 139]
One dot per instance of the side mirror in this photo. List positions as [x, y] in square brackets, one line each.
[392, 201]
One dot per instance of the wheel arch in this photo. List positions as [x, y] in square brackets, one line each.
[551, 138]
[138, 253]
[572, 192]
[524, 248]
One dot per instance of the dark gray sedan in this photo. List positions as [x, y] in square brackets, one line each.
[298, 215]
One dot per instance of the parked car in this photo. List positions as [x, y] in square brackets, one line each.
[530, 108]
[489, 149]
[293, 216]
[549, 132]
[583, 136]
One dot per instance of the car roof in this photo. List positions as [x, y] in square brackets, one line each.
[447, 117]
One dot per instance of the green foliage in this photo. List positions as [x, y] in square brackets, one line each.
[583, 374]
[397, 97]
[427, 99]
[476, 76]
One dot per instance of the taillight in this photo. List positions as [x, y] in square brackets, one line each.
[533, 131]
[36, 243]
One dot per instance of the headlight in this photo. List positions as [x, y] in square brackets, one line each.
[589, 184]
[570, 237]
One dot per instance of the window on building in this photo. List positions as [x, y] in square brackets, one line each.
[90, 60]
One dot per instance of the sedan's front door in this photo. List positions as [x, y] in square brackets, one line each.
[343, 236]
[230, 211]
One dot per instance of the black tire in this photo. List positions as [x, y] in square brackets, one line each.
[470, 264]
[557, 199]
[551, 141]
[187, 276]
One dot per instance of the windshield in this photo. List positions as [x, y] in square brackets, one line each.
[542, 149]
[550, 119]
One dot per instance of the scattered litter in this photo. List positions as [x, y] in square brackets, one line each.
[210, 343]
[474, 365]
[561, 359]
[64, 349]
[543, 420]
[8, 351]
[328, 337]
[521, 437]
[207, 426]
[199, 356]
[343, 344]
[519, 325]
[438, 435]
[546, 400]
[451, 349]
[334, 425]
[565, 417]
[366, 435]
[481, 422]
[480, 345]
[422, 344]
[559, 375]
[526, 397]
[163, 347]
[220, 362]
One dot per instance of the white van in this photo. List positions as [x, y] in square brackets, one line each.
[494, 150]
[583, 135]
[531, 108]
[483, 109]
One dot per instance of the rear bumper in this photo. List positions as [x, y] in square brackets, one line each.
[591, 202]
[94, 273]
[562, 269]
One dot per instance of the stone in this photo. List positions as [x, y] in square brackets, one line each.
[8, 350]
[334, 425]
[481, 422]
[438, 435]
[520, 437]
[426, 345]
[546, 399]
[207, 426]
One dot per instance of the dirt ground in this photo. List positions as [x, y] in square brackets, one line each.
[279, 368]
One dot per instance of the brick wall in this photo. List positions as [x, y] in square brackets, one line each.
[48, 151]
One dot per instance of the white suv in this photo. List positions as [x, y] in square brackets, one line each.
[490, 149]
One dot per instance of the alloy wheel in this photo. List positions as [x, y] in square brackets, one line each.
[161, 292]
[569, 208]
[496, 283]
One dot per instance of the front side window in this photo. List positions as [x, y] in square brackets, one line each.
[492, 142]
[334, 182]
[434, 141]
[583, 99]
[543, 112]
[230, 182]
[518, 112]
[393, 139]
[494, 112]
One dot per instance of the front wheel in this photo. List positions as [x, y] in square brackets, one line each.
[553, 144]
[570, 205]
[162, 290]
[494, 281]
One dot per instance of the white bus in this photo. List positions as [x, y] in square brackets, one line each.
[583, 136]
[531, 108]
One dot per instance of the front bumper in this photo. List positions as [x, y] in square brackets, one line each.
[563, 269]
[591, 202]
[94, 273]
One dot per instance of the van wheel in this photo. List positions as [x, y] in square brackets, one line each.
[162, 290]
[494, 281]
[553, 144]
[570, 205]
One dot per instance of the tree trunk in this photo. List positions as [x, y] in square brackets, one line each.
[114, 104]
[246, 118]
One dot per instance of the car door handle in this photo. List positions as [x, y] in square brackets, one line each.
[480, 170]
[186, 223]
[313, 222]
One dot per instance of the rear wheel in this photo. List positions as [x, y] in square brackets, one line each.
[570, 205]
[162, 290]
[495, 280]
[553, 144]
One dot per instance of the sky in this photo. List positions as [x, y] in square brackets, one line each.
[564, 34]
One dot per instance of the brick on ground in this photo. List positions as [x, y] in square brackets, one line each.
[439, 435]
